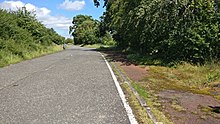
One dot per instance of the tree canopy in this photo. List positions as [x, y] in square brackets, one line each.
[84, 30]
[173, 30]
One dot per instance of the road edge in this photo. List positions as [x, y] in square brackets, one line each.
[128, 109]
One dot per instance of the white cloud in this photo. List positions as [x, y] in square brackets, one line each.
[59, 23]
[13, 5]
[73, 5]
[30, 7]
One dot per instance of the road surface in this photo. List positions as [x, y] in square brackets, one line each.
[70, 87]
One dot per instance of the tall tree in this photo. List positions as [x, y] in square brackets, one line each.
[84, 29]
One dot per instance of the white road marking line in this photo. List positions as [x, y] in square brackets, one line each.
[122, 95]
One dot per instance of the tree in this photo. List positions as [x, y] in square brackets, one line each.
[176, 30]
[69, 40]
[84, 29]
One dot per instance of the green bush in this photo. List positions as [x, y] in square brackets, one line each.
[108, 40]
[22, 34]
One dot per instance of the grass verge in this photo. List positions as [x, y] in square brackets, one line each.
[186, 77]
[7, 58]
[201, 79]
[138, 110]
[98, 46]
[152, 103]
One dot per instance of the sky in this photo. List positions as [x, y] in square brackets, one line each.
[56, 14]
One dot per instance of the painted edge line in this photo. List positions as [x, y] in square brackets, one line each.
[121, 94]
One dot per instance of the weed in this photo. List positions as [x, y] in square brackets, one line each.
[195, 112]
[203, 117]
[212, 77]
[140, 91]
[177, 107]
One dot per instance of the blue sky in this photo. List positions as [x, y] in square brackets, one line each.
[56, 14]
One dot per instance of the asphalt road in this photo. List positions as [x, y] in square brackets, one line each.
[70, 87]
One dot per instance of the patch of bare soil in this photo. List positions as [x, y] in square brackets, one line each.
[189, 108]
[134, 72]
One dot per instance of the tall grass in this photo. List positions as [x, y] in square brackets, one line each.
[183, 76]
[7, 57]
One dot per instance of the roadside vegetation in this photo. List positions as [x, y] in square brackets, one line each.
[176, 30]
[178, 42]
[170, 90]
[23, 37]
[138, 111]
[88, 32]
[184, 76]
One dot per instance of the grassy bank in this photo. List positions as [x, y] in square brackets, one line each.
[7, 58]
[23, 37]
[184, 77]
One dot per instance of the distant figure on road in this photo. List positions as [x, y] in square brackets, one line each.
[64, 46]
